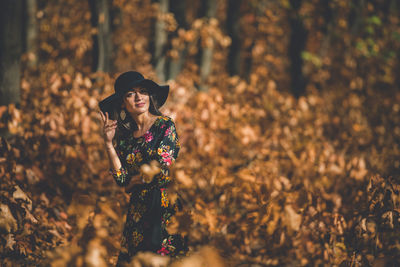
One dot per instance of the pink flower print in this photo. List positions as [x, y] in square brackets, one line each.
[168, 131]
[163, 251]
[167, 161]
[148, 137]
[166, 158]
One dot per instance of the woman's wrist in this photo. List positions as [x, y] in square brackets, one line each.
[109, 145]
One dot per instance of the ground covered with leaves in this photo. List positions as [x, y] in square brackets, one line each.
[266, 178]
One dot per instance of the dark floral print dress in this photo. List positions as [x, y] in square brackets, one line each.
[149, 209]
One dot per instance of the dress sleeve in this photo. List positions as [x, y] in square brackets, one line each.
[167, 151]
[121, 176]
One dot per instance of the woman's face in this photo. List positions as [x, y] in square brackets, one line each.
[137, 101]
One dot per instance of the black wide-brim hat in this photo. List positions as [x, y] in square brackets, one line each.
[124, 83]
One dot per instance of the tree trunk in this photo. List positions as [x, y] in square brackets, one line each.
[395, 7]
[30, 31]
[232, 26]
[247, 50]
[297, 44]
[160, 42]
[177, 7]
[102, 46]
[209, 9]
[248, 61]
[356, 16]
[10, 50]
[326, 30]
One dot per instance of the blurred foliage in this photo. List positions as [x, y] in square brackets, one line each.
[266, 178]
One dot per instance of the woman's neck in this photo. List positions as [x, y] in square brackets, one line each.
[142, 120]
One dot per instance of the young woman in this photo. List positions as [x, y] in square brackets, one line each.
[136, 133]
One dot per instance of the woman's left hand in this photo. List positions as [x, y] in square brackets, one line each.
[137, 179]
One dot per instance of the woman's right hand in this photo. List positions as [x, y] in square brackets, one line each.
[108, 128]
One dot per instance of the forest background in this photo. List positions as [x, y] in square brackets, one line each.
[287, 112]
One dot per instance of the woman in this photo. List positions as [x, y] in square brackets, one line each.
[142, 135]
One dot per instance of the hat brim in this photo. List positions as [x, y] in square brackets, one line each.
[159, 93]
[109, 105]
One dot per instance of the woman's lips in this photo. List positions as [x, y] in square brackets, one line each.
[139, 105]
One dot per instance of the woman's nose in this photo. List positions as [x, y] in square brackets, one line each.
[137, 96]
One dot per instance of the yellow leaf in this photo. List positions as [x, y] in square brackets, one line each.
[293, 220]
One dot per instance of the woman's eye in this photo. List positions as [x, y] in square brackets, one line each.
[128, 94]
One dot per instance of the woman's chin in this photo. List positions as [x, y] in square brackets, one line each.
[139, 111]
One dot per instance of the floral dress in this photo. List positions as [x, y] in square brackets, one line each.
[149, 209]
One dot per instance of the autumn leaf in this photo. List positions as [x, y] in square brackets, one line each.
[293, 220]
[148, 171]
[7, 221]
[10, 242]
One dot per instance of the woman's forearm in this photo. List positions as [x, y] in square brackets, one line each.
[115, 163]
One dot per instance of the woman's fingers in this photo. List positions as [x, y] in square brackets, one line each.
[109, 127]
[107, 121]
[106, 118]
[103, 118]
[112, 124]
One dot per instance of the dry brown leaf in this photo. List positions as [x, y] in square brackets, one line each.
[292, 219]
[10, 241]
[7, 221]
[149, 259]
[205, 257]
[148, 171]
[96, 253]
[183, 178]
[19, 194]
